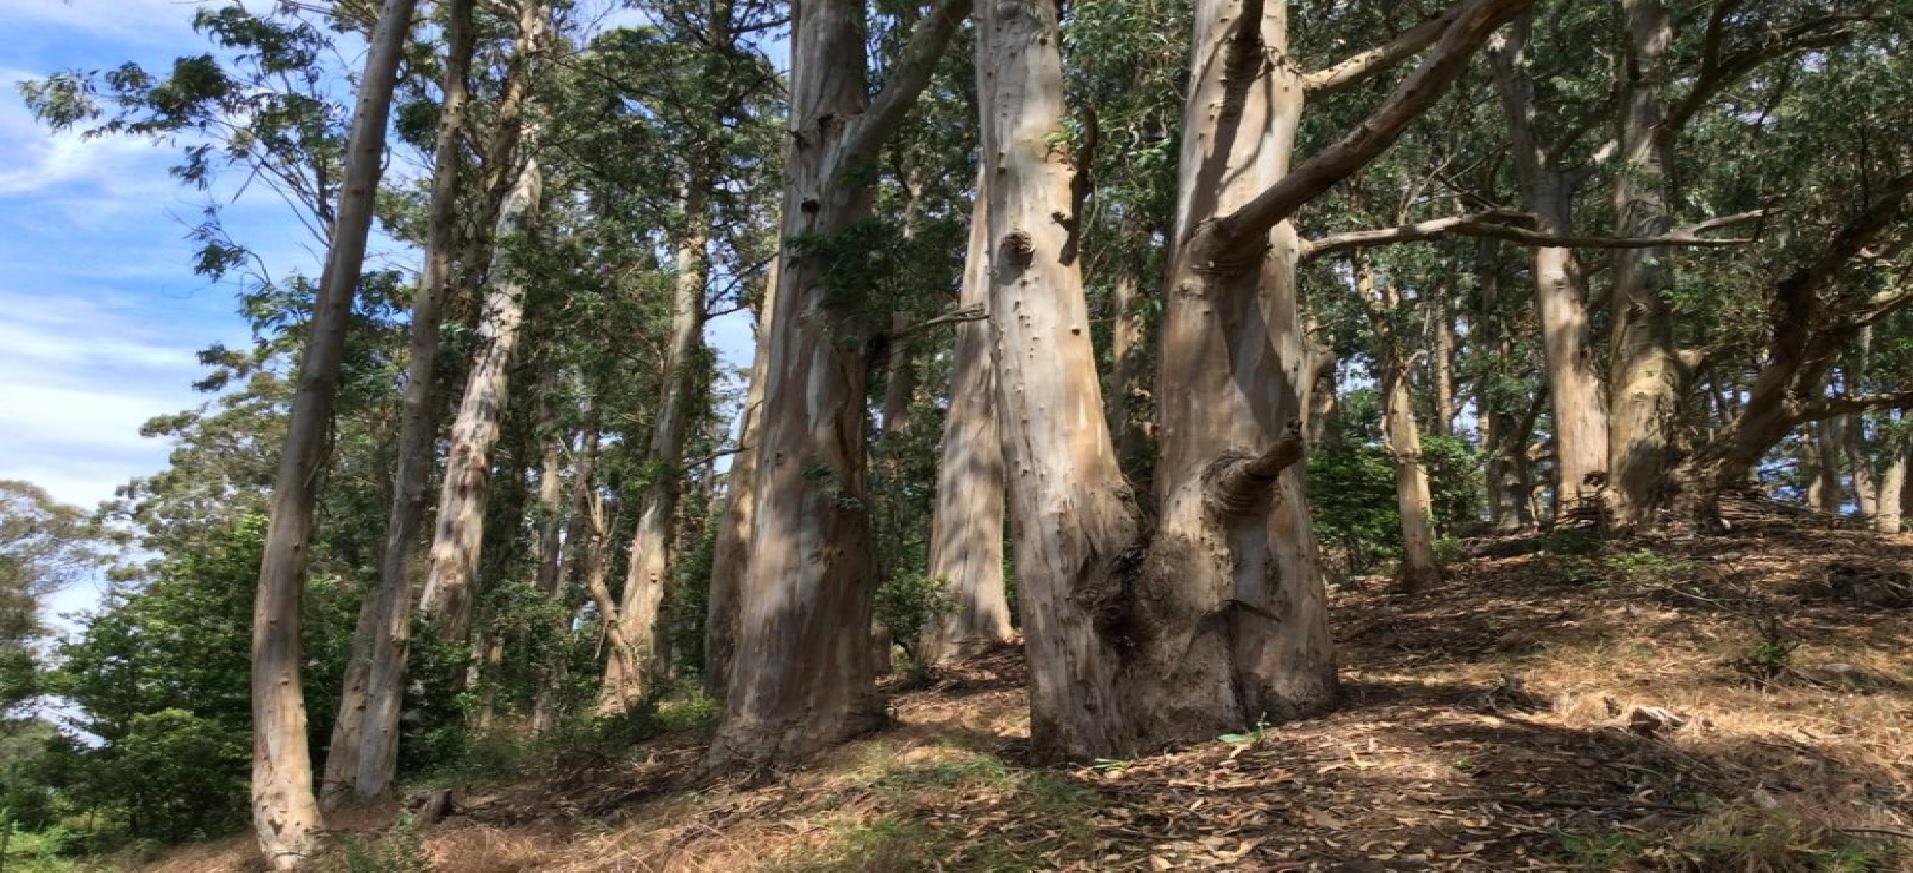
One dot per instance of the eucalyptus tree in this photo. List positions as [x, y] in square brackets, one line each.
[513, 187]
[701, 90]
[799, 679]
[360, 761]
[1138, 642]
[285, 810]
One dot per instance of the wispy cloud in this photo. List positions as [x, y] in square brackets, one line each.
[140, 21]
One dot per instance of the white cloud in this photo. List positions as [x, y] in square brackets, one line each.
[145, 21]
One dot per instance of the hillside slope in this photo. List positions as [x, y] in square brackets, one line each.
[1722, 703]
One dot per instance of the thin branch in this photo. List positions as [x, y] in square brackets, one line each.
[1413, 96]
[1498, 225]
[908, 78]
[1361, 66]
[1851, 404]
[955, 316]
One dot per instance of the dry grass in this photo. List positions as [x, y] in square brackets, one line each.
[1686, 705]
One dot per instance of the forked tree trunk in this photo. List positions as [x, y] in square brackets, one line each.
[285, 811]
[801, 679]
[1646, 376]
[649, 571]
[1574, 382]
[448, 599]
[364, 735]
[966, 527]
[1220, 619]
[1413, 500]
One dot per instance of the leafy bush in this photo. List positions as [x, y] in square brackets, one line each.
[908, 602]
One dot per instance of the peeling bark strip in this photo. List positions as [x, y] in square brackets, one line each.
[363, 755]
[448, 599]
[285, 811]
[1073, 517]
[966, 527]
[801, 678]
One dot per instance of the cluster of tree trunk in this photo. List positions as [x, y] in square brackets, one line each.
[1193, 608]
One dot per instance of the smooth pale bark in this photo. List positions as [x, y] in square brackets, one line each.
[1073, 516]
[1442, 367]
[448, 599]
[1574, 381]
[966, 526]
[364, 746]
[285, 811]
[1413, 500]
[801, 677]
[649, 571]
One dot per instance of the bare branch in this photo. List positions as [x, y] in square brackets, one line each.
[1506, 225]
[1849, 405]
[908, 77]
[1359, 67]
[1469, 28]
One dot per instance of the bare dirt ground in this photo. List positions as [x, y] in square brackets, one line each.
[1731, 703]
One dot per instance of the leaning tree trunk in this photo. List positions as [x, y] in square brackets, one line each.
[801, 677]
[285, 811]
[649, 571]
[364, 736]
[448, 599]
[1646, 377]
[966, 527]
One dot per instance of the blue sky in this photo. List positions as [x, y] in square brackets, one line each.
[100, 313]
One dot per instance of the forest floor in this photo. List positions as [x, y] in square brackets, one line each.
[1740, 702]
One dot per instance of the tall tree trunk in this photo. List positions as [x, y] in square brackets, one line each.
[649, 571]
[364, 735]
[1221, 619]
[1413, 500]
[1646, 376]
[1574, 383]
[577, 531]
[731, 551]
[1129, 358]
[1824, 489]
[285, 810]
[966, 527]
[449, 597]
[1442, 368]
[801, 679]
[1074, 518]
[1894, 496]
[1853, 427]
